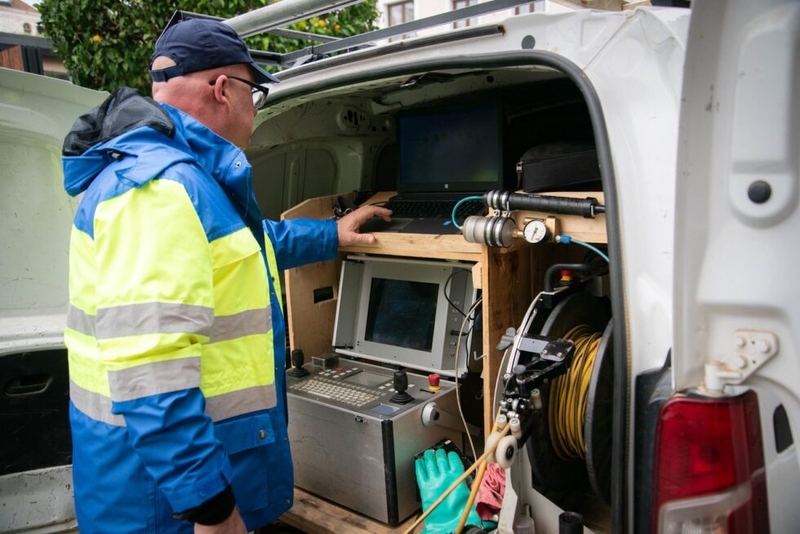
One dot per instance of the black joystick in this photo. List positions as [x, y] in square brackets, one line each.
[298, 359]
[400, 383]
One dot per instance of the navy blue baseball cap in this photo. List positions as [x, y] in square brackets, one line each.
[202, 44]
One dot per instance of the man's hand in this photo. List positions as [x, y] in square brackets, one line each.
[348, 226]
[232, 525]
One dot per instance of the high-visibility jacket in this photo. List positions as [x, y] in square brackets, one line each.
[175, 331]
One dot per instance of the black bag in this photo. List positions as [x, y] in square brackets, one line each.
[560, 166]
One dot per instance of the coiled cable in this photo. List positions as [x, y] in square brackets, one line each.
[569, 395]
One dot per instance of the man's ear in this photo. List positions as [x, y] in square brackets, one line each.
[221, 90]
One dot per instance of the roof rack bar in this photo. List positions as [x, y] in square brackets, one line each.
[294, 34]
[408, 27]
[282, 13]
[422, 42]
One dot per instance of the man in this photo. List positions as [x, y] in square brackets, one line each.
[175, 329]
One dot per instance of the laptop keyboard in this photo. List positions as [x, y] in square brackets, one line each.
[437, 209]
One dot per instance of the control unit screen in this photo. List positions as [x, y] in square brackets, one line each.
[402, 313]
[367, 379]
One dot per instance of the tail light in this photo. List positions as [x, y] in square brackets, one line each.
[709, 467]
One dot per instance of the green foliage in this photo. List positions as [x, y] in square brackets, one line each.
[106, 44]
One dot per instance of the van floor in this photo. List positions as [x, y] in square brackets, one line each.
[279, 527]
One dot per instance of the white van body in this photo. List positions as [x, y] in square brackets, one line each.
[695, 120]
[35, 216]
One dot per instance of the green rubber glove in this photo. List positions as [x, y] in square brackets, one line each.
[436, 471]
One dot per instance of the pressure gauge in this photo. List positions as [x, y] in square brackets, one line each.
[535, 231]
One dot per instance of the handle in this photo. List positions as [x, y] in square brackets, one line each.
[28, 385]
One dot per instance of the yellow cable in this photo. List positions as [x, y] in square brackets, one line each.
[569, 395]
[472, 494]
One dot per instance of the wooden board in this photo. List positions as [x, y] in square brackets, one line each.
[590, 230]
[315, 515]
[312, 290]
[444, 247]
[506, 295]
[11, 58]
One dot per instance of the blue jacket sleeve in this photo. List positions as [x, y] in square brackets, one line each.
[175, 440]
[302, 241]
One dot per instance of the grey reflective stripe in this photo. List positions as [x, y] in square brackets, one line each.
[80, 321]
[94, 405]
[241, 402]
[154, 378]
[242, 324]
[218, 408]
[123, 321]
[153, 318]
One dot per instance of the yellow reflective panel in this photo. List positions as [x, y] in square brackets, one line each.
[237, 364]
[82, 271]
[130, 351]
[241, 286]
[85, 368]
[234, 247]
[152, 247]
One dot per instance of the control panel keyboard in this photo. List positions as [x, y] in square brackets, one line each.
[329, 385]
[350, 385]
[328, 389]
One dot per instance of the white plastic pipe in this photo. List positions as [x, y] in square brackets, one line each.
[282, 13]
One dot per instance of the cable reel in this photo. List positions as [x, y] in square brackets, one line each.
[558, 382]
[548, 468]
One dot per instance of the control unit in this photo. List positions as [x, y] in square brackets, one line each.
[354, 445]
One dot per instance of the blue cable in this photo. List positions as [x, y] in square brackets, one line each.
[563, 238]
[455, 208]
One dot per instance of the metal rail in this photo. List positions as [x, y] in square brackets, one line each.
[269, 19]
[282, 13]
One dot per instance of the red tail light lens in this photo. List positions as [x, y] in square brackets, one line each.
[709, 467]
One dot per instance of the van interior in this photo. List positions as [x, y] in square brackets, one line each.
[311, 150]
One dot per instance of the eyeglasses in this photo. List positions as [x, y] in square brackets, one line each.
[258, 92]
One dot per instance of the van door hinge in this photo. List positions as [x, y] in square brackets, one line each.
[752, 349]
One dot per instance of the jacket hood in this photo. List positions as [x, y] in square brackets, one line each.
[91, 144]
[126, 126]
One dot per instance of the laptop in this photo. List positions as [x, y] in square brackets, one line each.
[446, 155]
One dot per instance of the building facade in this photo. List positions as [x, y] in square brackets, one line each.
[22, 42]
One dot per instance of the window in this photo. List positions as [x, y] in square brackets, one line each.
[458, 4]
[524, 9]
[400, 12]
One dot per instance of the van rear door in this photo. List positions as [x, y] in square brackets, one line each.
[35, 221]
[737, 294]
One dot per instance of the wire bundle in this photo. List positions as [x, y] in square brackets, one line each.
[569, 395]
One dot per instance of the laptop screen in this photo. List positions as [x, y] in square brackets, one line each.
[451, 150]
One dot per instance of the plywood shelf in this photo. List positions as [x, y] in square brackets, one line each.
[443, 247]
[315, 515]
